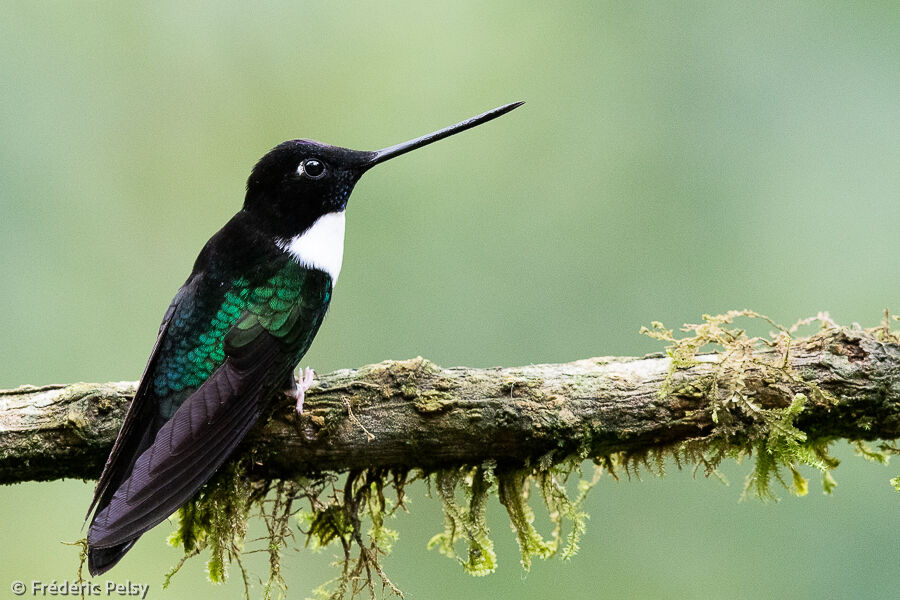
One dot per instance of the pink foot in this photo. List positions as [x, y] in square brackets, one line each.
[302, 385]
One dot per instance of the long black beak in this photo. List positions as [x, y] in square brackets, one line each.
[398, 149]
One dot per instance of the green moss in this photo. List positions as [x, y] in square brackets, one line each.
[433, 401]
[467, 521]
[783, 445]
[742, 427]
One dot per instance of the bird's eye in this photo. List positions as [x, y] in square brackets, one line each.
[312, 168]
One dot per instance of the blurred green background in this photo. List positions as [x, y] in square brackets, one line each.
[672, 159]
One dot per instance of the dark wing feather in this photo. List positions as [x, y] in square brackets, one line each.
[189, 447]
[129, 443]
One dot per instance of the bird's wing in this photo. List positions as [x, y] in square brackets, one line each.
[129, 442]
[261, 345]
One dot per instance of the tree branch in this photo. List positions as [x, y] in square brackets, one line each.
[414, 414]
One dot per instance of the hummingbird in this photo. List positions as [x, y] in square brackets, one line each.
[234, 334]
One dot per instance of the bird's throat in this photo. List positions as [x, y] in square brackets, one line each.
[321, 246]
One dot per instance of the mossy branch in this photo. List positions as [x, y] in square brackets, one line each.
[414, 414]
[781, 399]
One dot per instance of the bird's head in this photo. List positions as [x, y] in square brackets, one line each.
[299, 181]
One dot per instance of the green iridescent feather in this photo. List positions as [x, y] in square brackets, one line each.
[282, 306]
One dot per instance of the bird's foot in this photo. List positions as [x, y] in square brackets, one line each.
[300, 387]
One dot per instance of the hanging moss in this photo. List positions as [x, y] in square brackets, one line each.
[466, 522]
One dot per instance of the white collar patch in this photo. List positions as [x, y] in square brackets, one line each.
[321, 246]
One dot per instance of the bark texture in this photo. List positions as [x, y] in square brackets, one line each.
[414, 414]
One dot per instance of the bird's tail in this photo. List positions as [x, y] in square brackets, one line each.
[101, 560]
